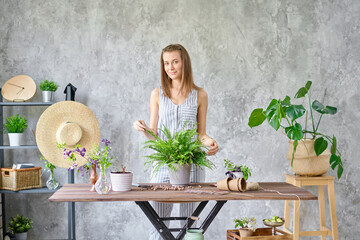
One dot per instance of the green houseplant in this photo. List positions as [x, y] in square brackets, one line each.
[177, 152]
[48, 88]
[20, 226]
[15, 126]
[235, 171]
[284, 114]
[248, 226]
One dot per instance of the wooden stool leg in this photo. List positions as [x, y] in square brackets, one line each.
[287, 214]
[321, 200]
[296, 221]
[332, 205]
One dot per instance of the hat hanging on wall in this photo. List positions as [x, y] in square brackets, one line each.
[66, 122]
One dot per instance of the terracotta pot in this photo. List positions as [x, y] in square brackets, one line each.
[306, 163]
[245, 232]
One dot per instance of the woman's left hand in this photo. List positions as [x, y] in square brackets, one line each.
[212, 144]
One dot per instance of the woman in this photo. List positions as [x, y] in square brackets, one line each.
[177, 101]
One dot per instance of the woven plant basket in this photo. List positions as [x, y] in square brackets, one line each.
[20, 179]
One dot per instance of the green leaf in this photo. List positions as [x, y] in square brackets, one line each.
[257, 117]
[331, 110]
[308, 85]
[333, 159]
[320, 145]
[333, 146]
[275, 113]
[286, 101]
[295, 111]
[303, 91]
[298, 133]
[340, 171]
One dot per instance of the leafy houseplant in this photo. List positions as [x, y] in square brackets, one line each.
[248, 226]
[19, 225]
[15, 126]
[233, 169]
[175, 152]
[48, 88]
[280, 111]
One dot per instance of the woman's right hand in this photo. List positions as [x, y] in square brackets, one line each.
[140, 125]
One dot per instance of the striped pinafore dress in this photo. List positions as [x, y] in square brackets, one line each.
[174, 118]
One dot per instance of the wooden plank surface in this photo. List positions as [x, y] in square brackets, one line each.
[270, 191]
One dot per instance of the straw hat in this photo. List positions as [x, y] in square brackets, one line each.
[66, 122]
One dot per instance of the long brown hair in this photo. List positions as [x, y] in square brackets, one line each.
[187, 81]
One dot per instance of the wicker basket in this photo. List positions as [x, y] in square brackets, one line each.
[259, 234]
[20, 179]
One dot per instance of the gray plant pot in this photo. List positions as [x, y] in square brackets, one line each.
[180, 177]
[21, 236]
[47, 96]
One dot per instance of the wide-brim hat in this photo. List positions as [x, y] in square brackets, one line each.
[66, 122]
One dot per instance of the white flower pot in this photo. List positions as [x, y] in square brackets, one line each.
[47, 96]
[121, 182]
[15, 139]
[180, 177]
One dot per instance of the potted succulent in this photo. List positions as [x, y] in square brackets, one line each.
[248, 226]
[51, 183]
[308, 157]
[48, 88]
[121, 180]
[20, 226]
[178, 153]
[237, 171]
[15, 126]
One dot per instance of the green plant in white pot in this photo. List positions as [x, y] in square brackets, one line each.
[309, 157]
[178, 153]
[15, 126]
[20, 226]
[248, 226]
[48, 88]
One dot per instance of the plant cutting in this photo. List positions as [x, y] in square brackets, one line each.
[284, 114]
[237, 171]
[178, 153]
[97, 157]
[51, 183]
[248, 226]
[121, 180]
[48, 88]
[15, 127]
[20, 226]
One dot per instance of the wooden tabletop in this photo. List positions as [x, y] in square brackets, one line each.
[197, 193]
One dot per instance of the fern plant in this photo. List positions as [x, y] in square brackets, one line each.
[47, 85]
[15, 124]
[177, 150]
[20, 224]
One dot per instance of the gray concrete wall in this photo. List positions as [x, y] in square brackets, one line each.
[243, 54]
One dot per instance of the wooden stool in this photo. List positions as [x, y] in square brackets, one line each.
[320, 181]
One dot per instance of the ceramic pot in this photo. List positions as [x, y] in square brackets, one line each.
[181, 176]
[21, 236]
[121, 182]
[194, 234]
[245, 232]
[47, 96]
[306, 163]
[15, 139]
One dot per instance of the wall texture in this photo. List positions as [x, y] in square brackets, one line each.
[243, 54]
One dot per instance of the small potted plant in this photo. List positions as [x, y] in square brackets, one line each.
[248, 226]
[51, 183]
[121, 180]
[48, 88]
[20, 226]
[237, 171]
[178, 153]
[15, 127]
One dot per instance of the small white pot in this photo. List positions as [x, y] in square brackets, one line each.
[121, 182]
[15, 139]
[47, 96]
[180, 177]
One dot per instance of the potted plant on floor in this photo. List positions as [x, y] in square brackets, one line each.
[15, 127]
[48, 88]
[121, 180]
[178, 153]
[20, 226]
[309, 157]
[248, 226]
[237, 171]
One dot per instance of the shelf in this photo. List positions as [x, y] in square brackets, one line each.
[34, 190]
[19, 147]
[26, 103]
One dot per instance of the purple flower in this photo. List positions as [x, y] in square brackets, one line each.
[82, 152]
[106, 142]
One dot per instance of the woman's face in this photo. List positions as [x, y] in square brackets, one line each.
[173, 64]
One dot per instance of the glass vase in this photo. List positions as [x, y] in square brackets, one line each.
[103, 184]
[52, 183]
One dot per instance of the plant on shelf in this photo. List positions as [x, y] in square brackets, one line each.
[51, 183]
[177, 152]
[284, 114]
[235, 171]
[97, 157]
[15, 126]
[20, 226]
[248, 226]
[47, 85]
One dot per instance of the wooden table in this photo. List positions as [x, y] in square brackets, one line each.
[199, 192]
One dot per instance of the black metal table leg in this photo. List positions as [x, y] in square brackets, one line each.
[212, 215]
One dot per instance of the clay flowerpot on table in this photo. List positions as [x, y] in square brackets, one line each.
[121, 181]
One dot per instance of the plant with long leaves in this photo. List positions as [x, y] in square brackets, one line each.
[279, 110]
[15, 124]
[181, 149]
